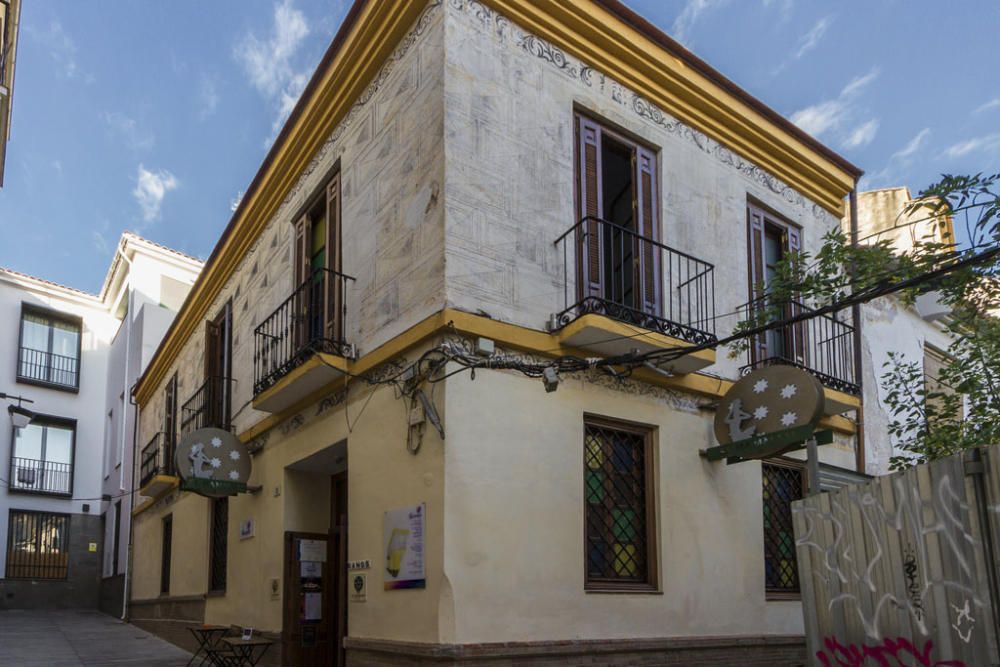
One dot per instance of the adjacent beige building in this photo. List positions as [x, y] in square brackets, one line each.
[516, 184]
[10, 20]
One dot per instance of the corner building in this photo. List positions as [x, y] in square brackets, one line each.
[545, 180]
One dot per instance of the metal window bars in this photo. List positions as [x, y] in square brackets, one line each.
[823, 345]
[47, 367]
[310, 320]
[157, 458]
[208, 406]
[37, 545]
[614, 271]
[41, 476]
[781, 485]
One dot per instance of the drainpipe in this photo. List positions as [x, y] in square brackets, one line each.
[131, 495]
[859, 452]
[121, 452]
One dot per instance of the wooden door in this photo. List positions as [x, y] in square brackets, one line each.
[305, 630]
[338, 560]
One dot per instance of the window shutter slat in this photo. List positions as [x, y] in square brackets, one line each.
[589, 241]
[755, 223]
[649, 267]
[332, 284]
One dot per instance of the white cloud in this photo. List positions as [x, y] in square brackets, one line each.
[784, 8]
[987, 143]
[692, 11]
[862, 135]
[61, 48]
[151, 187]
[992, 104]
[235, 202]
[135, 138]
[811, 39]
[830, 114]
[899, 160]
[208, 97]
[268, 62]
[912, 146]
[100, 243]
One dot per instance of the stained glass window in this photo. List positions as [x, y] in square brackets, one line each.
[782, 485]
[617, 505]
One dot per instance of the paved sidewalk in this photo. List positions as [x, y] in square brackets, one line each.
[80, 639]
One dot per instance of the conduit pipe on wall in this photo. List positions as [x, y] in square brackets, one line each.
[859, 451]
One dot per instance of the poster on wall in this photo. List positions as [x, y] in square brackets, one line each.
[403, 536]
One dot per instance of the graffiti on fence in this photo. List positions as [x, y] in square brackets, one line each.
[889, 653]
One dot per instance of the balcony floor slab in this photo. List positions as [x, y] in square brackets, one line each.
[317, 372]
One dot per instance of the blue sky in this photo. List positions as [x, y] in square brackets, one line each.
[154, 116]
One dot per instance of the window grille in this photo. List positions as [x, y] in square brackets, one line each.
[220, 544]
[617, 505]
[49, 349]
[781, 485]
[37, 545]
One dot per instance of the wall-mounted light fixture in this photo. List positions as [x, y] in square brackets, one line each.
[19, 416]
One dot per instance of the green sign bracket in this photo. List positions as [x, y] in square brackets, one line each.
[213, 487]
[767, 444]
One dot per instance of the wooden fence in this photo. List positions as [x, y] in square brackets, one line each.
[902, 570]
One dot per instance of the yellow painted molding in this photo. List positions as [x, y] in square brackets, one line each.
[504, 334]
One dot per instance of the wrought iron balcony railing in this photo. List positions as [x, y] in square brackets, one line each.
[157, 459]
[209, 406]
[612, 270]
[822, 345]
[48, 368]
[310, 320]
[41, 476]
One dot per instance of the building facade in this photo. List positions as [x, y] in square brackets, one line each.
[913, 332]
[516, 185]
[69, 359]
[144, 289]
[10, 21]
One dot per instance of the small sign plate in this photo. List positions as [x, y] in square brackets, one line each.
[364, 564]
[358, 587]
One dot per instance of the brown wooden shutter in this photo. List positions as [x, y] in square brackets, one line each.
[213, 338]
[755, 224]
[333, 286]
[298, 321]
[799, 331]
[590, 243]
[303, 237]
[648, 280]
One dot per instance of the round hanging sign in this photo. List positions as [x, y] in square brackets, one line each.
[212, 462]
[769, 400]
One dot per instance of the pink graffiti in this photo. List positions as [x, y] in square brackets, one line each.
[899, 652]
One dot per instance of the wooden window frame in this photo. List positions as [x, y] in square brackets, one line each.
[66, 318]
[773, 594]
[649, 434]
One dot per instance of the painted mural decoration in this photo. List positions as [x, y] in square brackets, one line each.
[212, 462]
[769, 412]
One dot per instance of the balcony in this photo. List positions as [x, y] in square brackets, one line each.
[34, 476]
[156, 469]
[47, 368]
[208, 406]
[301, 346]
[624, 292]
[822, 345]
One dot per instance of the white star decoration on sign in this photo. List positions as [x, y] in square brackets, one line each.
[233, 475]
[760, 413]
[788, 390]
[217, 442]
[760, 386]
[215, 463]
[788, 418]
[234, 455]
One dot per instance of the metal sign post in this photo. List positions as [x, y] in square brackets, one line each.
[812, 465]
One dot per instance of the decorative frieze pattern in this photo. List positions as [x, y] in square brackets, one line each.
[511, 35]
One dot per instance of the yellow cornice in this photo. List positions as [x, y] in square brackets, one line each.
[371, 32]
[597, 34]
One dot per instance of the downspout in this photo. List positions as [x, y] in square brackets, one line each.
[121, 454]
[128, 353]
[859, 452]
[131, 515]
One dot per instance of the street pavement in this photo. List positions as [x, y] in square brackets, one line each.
[80, 638]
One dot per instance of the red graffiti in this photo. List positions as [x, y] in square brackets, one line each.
[899, 652]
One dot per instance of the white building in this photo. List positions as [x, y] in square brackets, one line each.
[67, 357]
[144, 289]
[913, 332]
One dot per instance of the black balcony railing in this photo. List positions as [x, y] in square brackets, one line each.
[47, 367]
[209, 406]
[822, 345]
[157, 459]
[310, 320]
[41, 476]
[612, 270]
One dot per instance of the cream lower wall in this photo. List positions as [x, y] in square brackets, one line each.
[514, 528]
[382, 476]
